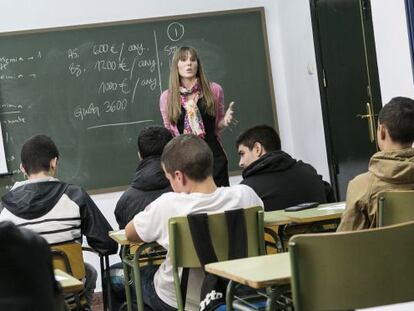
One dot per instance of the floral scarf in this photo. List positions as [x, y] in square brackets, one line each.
[193, 123]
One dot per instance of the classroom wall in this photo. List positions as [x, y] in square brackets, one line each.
[290, 44]
[291, 48]
[393, 50]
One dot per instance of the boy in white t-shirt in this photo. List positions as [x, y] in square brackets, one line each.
[188, 163]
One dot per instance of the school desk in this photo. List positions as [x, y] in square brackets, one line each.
[69, 283]
[329, 211]
[134, 256]
[254, 272]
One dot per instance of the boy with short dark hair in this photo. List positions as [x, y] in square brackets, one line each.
[278, 179]
[58, 211]
[149, 181]
[392, 168]
[188, 164]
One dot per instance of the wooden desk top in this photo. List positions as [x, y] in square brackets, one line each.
[69, 283]
[276, 218]
[119, 237]
[257, 272]
[322, 212]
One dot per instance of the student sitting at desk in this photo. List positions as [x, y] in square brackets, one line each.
[392, 168]
[278, 179]
[188, 164]
[149, 181]
[27, 280]
[58, 211]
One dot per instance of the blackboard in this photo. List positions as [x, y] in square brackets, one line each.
[92, 88]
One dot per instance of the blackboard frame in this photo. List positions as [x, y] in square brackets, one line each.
[409, 6]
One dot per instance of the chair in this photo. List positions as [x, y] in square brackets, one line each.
[68, 257]
[395, 207]
[343, 271]
[74, 254]
[183, 254]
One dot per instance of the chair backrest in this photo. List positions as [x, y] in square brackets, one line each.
[68, 257]
[395, 207]
[343, 271]
[183, 254]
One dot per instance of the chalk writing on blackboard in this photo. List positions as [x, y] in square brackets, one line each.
[92, 88]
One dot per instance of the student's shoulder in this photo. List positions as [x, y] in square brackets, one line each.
[166, 199]
[243, 189]
[76, 193]
[73, 188]
[240, 187]
[362, 180]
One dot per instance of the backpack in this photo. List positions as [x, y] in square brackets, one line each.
[213, 289]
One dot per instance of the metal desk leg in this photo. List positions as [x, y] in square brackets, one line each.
[230, 295]
[127, 278]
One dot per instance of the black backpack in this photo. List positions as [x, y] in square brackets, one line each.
[213, 289]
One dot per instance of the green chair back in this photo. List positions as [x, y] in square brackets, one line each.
[350, 270]
[183, 254]
[395, 207]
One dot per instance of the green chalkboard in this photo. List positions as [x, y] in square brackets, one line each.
[92, 88]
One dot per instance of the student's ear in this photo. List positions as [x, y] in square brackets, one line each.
[139, 156]
[258, 149]
[53, 164]
[23, 171]
[179, 176]
[381, 132]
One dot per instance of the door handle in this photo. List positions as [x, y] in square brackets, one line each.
[371, 121]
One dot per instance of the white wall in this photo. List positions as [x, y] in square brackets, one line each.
[392, 46]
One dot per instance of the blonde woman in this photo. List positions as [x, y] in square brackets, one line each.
[193, 105]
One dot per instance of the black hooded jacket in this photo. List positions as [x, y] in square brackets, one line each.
[281, 181]
[59, 212]
[148, 184]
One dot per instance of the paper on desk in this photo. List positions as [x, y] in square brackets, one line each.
[60, 278]
[333, 207]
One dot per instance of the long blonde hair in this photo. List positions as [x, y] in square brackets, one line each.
[174, 100]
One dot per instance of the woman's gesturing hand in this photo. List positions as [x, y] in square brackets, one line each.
[228, 116]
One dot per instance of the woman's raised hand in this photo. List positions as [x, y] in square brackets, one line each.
[228, 116]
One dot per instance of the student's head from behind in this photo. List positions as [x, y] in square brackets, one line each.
[39, 154]
[152, 140]
[256, 142]
[396, 124]
[24, 285]
[187, 159]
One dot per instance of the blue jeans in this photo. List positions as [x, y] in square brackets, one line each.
[151, 299]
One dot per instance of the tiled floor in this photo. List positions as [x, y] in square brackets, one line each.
[97, 302]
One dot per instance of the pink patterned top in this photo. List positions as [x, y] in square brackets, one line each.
[218, 95]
